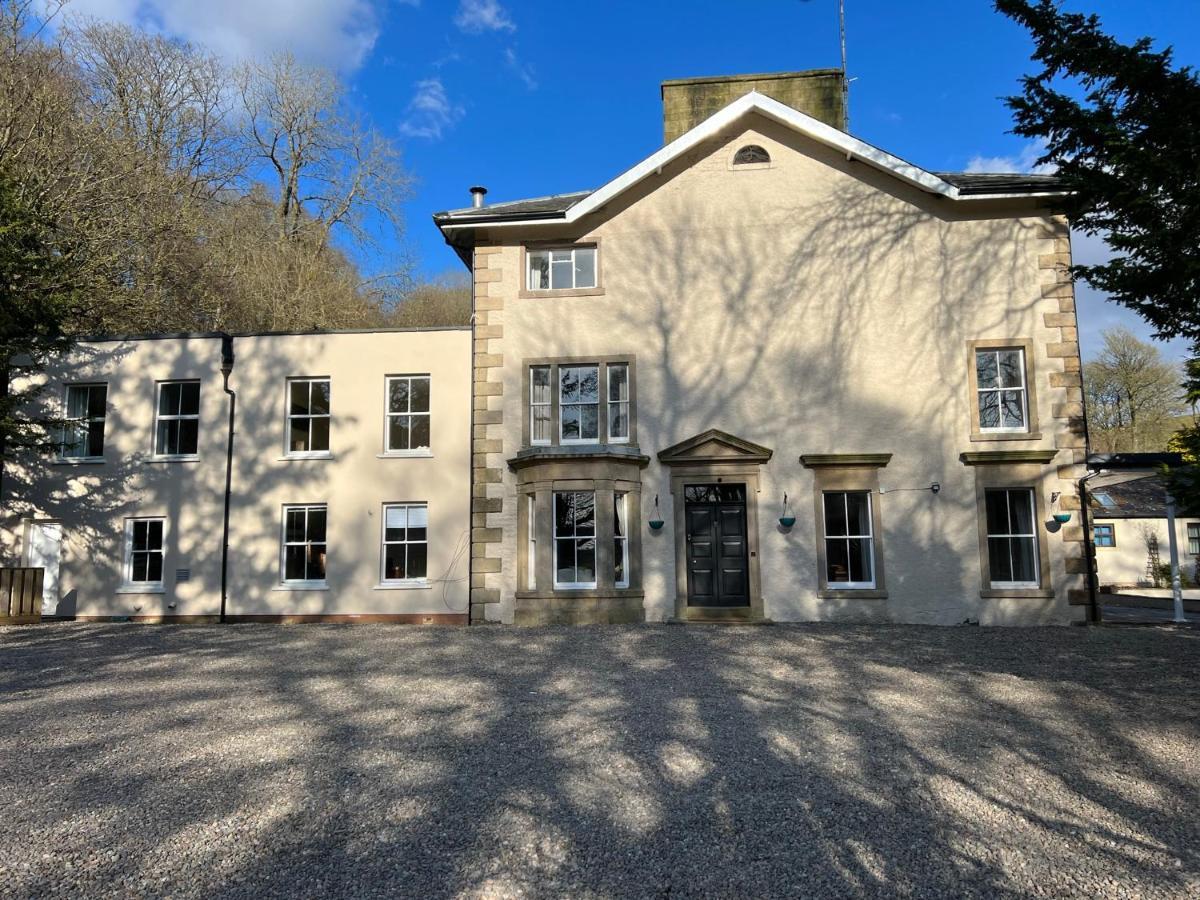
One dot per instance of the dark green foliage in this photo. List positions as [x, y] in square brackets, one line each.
[1125, 142]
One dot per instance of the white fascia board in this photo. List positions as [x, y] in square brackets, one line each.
[779, 112]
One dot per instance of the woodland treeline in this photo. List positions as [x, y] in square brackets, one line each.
[172, 191]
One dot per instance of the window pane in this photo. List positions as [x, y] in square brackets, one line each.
[835, 513]
[1023, 552]
[570, 423]
[1020, 505]
[568, 382]
[999, 559]
[320, 434]
[293, 565]
[589, 384]
[188, 436]
[1012, 369]
[168, 399]
[619, 514]
[140, 564]
[564, 560]
[541, 423]
[986, 375]
[320, 397]
[418, 521]
[585, 561]
[989, 409]
[154, 535]
[315, 568]
[316, 525]
[299, 397]
[564, 514]
[165, 441]
[97, 394]
[420, 395]
[540, 384]
[859, 516]
[189, 404]
[539, 270]
[997, 512]
[78, 402]
[1012, 409]
[859, 553]
[618, 421]
[294, 526]
[589, 422]
[837, 561]
[154, 563]
[585, 513]
[618, 382]
[420, 432]
[585, 267]
[398, 395]
[141, 536]
[95, 438]
[416, 560]
[398, 433]
[395, 522]
[619, 562]
[299, 435]
[394, 567]
[561, 272]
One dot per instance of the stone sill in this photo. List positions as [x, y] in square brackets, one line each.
[985, 436]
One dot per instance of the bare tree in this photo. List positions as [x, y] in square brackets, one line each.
[1133, 395]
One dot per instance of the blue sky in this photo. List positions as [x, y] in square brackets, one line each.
[531, 97]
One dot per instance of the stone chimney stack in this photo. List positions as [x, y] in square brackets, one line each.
[689, 101]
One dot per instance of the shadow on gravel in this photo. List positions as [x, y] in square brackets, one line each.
[643, 761]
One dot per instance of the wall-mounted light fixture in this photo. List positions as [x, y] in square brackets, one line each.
[786, 519]
[656, 520]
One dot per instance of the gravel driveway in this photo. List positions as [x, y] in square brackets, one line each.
[377, 761]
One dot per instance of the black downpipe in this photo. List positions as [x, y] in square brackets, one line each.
[1089, 550]
[226, 371]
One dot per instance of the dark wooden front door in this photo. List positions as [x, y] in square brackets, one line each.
[718, 569]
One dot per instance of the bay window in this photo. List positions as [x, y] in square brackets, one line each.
[586, 401]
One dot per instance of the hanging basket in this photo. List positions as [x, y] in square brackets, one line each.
[1062, 518]
[787, 521]
[656, 524]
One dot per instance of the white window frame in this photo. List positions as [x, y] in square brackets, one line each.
[547, 404]
[532, 254]
[612, 405]
[869, 537]
[577, 538]
[284, 543]
[171, 417]
[621, 519]
[531, 542]
[388, 415]
[289, 416]
[85, 420]
[1193, 537]
[558, 369]
[999, 391]
[1037, 563]
[128, 584]
[423, 581]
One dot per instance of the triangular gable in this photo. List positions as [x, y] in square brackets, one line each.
[772, 109]
[713, 446]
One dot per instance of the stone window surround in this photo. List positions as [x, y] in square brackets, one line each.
[848, 472]
[1031, 432]
[1020, 471]
[524, 293]
[603, 362]
[605, 477]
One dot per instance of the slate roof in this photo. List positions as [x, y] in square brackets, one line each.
[975, 183]
[534, 208]
[1138, 498]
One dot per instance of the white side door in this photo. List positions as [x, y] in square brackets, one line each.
[43, 549]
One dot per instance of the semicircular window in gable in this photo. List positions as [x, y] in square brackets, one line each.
[751, 153]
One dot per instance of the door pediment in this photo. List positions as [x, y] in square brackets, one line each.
[714, 446]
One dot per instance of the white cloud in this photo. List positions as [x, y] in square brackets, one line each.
[478, 16]
[335, 33]
[1025, 161]
[430, 112]
[524, 71]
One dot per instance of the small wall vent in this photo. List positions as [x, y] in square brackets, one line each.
[182, 575]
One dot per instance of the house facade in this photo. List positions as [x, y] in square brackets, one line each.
[769, 373]
[347, 495]
[774, 373]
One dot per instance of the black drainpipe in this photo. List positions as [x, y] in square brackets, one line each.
[226, 370]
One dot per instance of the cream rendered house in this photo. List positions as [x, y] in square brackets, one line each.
[348, 496]
[772, 372]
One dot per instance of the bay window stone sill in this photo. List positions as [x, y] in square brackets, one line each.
[586, 607]
[531, 456]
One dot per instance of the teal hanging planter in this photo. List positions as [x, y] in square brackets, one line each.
[786, 519]
[1062, 518]
[656, 522]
